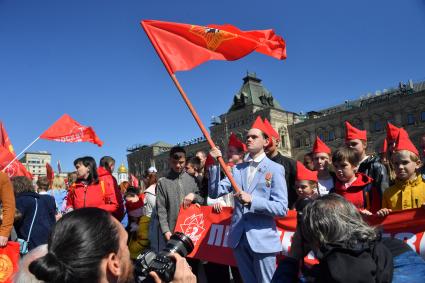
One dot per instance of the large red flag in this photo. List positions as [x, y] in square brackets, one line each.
[4, 138]
[184, 46]
[67, 129]
[14, 169]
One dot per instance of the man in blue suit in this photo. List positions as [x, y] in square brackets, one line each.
[263, 196]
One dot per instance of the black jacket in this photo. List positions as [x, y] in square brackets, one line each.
[367, 262]
[377, 171]
[290, 174]
[44, 220]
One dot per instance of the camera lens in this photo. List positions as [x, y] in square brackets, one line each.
[179, 243]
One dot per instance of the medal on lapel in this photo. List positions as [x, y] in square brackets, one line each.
[268, 179]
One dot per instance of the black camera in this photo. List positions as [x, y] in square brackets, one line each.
[161, 263]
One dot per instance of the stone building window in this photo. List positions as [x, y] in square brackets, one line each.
[423, 116]
[331, 135]
[378, 126]
[297, 142]
[282, 141]
[307, 141]
[410, 119]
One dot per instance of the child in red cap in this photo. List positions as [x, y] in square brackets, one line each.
[409, 190]
[354, 186]
[306, 186]
[321, 161]
[369, 165]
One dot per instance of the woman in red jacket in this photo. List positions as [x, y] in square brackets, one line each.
[88, 191]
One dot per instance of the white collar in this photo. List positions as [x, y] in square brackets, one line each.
[258, 159]
[367, 156]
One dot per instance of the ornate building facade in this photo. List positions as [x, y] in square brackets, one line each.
[251, 100]
[403, 106]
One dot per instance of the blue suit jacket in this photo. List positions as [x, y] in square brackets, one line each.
[269, 199]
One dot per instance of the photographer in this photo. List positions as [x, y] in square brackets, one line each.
[348, 249]
[89, 245]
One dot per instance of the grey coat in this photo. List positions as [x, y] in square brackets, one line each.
[170, 192]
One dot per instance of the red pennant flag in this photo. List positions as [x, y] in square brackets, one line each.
[14, 169]
[134, 181]
[67, 129]
[4, 139]
[49, 172]
[183, 46]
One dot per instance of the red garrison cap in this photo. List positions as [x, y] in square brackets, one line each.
[305, 174]
[404, 143]
[352, 133]
[234, 141]
[209, 161]
[320, 146]
[392, 132]
[270, 130]
[258, 124]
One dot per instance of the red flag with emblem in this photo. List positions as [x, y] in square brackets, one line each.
[4, 138]
[14, 169]
[184, 46]
[67, 129]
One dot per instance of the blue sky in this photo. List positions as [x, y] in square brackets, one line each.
[92, 60]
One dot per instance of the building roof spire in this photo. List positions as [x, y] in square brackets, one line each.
[254, 93]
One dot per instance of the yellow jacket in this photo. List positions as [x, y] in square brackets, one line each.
[405, 195]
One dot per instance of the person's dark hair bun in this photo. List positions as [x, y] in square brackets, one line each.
[48, 268]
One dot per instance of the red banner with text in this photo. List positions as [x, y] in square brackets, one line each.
[209, 231]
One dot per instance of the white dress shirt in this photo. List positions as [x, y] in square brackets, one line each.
[253, 166]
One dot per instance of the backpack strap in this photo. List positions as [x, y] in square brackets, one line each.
[33, 219]
[102, 186]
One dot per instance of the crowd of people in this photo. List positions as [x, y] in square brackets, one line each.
[89, 228]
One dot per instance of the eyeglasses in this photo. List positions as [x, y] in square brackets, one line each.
[252, 137]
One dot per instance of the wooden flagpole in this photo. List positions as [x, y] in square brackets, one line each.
[204, 131]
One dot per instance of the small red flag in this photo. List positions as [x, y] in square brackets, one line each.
[50, 173]
[67, 129]
[183, 46]
[134, 181]
[14, 169]
[4, 138]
